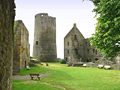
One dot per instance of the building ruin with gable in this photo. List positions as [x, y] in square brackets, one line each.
[78, 49]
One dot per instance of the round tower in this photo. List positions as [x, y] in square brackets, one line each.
[44, 48]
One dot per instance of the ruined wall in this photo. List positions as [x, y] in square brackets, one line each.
[44, 48]
[7, 14]
[92, 54]
[21, 46]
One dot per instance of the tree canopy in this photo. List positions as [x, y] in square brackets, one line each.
[107, 34]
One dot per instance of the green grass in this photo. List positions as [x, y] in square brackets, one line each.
[72, 78]
[32, 85]
[36, 69]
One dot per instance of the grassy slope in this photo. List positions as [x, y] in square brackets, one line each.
[71, 78]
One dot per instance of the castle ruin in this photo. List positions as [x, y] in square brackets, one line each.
[21, 46]
[78, 49]
[44, 48]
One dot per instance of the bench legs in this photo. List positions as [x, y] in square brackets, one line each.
[34, 77]
[38, 77]
[31, 78]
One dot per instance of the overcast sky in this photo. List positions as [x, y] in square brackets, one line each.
[66, 12]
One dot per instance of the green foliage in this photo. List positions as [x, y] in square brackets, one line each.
[108, 27]
[70, 78]
[62, 61]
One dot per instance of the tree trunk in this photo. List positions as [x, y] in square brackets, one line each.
[7, 14]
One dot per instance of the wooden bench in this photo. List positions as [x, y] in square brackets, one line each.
[35, 75]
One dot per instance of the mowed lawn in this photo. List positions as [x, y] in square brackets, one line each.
[61, 77]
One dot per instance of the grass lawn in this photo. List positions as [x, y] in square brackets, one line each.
[61, 77]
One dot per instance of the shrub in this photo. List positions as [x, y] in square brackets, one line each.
[62, 61]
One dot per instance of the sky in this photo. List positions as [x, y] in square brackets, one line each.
[67, 12]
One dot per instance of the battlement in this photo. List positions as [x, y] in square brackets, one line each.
[19, 21]
[42, 14]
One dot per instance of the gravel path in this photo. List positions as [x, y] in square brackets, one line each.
[26, 77]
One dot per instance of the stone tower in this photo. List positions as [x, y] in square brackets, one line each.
[44, 48]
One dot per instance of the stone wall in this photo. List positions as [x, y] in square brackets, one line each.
[44, 48]
[21, 46]
[7, 14]
[91, 53]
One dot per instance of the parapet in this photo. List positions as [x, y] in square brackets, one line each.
[19, 21]
[42, 14]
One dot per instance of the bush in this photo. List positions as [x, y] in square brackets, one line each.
[62, 61]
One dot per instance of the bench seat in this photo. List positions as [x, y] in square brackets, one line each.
[35, 75]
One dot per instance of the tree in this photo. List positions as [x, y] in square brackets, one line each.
[7, 14]
[107, 34]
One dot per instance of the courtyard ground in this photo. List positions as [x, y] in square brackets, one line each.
[60, 77]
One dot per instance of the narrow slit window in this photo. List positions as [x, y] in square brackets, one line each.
[36, 42]
[75, 37]
[93, 50]
[76, 51]
[68, 51]
[96, 51]
[88, 51]
[68, 43]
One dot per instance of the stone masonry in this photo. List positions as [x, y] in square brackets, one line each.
[7, 14]
[77, 48]
[44, 48]
[21, 46]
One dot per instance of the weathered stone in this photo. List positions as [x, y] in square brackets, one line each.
[77, 48]
[21, 47]
[100, 66]
[116, 64]
[44, 48]
[7, 14]
[107, 67]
